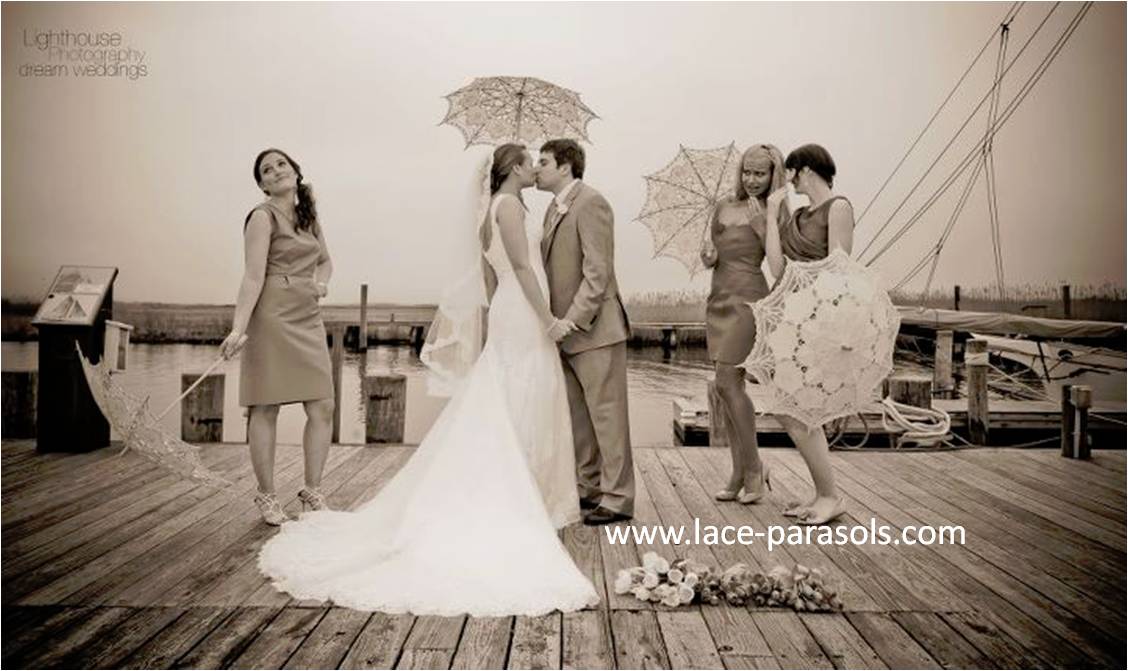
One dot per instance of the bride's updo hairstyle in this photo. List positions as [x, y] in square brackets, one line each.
[505, 158]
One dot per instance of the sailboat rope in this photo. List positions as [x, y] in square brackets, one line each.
[977, 148]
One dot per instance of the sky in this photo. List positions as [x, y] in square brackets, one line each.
[154, 174]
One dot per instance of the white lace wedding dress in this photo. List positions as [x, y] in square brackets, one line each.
[468, 524]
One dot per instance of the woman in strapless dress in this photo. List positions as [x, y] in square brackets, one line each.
[735, 251]
[285, 358]
[808, 234]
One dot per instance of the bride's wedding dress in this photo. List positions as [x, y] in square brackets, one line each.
[468, 525]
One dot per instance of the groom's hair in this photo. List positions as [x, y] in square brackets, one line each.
[566, 151]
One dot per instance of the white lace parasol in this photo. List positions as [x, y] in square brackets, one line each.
[825, 338]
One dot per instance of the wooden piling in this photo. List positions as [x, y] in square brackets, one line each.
[20, 391]
[385, 408]
[1082, 398]
[911, 390]
[956, 299]
[362, 335]
[669, 339]
[943, 385]
[201, 412]
[718, 418]
[1067, 419]
[978, 412]
[337, 358]
[1066, 302]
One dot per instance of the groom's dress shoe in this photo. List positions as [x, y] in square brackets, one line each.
[602, 515]
[588, 504]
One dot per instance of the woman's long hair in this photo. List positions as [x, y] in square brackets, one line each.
[505, 158]
[306, 209]
[778, 173]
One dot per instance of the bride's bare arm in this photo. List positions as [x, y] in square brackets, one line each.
[511, 224]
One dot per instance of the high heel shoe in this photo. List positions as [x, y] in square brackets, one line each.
[765, 486]
[312, 499]
[837, 511]
[726, 494]
[270, 509]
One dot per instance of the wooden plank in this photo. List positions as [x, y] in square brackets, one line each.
[999, 609]
[243, 578]
[746, 662]
[57, 561]
[688, 642]
[791, 643]
[1096, 527]
[942, 643]
[582, 543]
[586, 641]
[108, 563]
[536, 642]
[1003, 651]
[47, 624]
[1038, 572]
[329, 641]
[60, 649]
[379, 643]
[162, 651]
[484, 643]
[95, 519]
[893, 644]
[1094, 498]
[266, 594]
[204, 564]
[432, 642]
[841, 643]
[701, 506]
[707, 466]
[279, 639]
[886, 590]
[108, 651]
[1095, 559]
[168, 550]
[732, 629]
[854, 595]
[33, 509]
[924, 587]
[638, 643]
[223, 645]
[1102, 469]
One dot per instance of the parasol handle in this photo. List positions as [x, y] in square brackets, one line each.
[178, 399]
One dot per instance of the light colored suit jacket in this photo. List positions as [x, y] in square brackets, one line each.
[579, 258]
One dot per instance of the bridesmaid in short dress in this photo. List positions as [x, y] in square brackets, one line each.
[285, 356]
[735, 251]
[809, 234]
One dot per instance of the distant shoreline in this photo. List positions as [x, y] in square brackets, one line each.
[179, 323]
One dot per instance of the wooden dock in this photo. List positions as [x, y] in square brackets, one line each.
[111, 562]
[1012, 421]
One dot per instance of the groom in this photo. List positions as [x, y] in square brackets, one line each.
[579, 258]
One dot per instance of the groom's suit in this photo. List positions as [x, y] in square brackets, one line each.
[579, 258]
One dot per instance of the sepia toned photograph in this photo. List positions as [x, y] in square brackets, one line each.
[564, 335]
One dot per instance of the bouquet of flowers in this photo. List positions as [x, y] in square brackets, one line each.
[686, 581]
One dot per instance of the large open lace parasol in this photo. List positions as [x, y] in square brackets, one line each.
[681, 197]
[496, 110]
[131, 418]
[825, 338]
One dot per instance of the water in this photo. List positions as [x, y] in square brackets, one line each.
[654, 383]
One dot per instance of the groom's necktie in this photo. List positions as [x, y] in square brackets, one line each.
[550, 215]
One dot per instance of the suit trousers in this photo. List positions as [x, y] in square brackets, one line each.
[597, 395]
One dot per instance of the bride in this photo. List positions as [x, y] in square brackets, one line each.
[468, 525]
